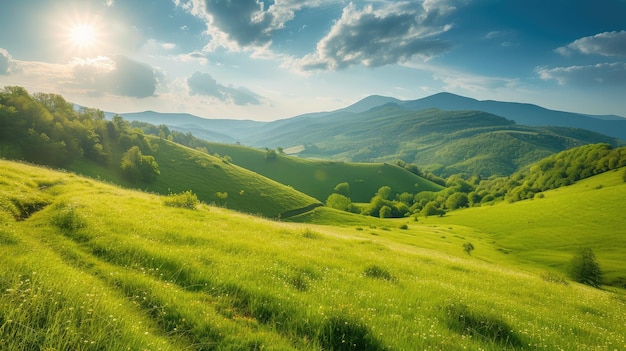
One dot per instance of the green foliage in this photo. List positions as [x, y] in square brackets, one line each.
[138, 167]
[270, 154]
[468, 248]
[186, 199]
[377, 272]
[339, 202]
[384, 212]
[342, 188]
[67, 217]
[457, 200]
[561, 169]
[585, 269]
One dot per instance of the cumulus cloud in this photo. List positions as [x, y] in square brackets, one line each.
[373, 37]
[5, 62]
[599, 74]
[118, 75]
[203, 84]
[605, 44]
[244, 24]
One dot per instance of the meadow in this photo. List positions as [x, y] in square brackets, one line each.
[86, 265]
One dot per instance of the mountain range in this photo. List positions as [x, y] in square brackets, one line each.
[443, 133]
[256, 133]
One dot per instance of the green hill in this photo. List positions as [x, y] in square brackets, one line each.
[182, 169]
[318, 178]
[446, 142]
[90, 266]
[46, 129]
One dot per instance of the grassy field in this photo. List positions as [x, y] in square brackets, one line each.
[319, 178]
[90, 266]
[545, 232]
[184, 169]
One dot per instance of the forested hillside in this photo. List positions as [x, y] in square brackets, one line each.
[45, 129]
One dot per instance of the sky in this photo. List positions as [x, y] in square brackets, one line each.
[272, 59]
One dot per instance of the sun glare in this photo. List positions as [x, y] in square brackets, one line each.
[82, 36]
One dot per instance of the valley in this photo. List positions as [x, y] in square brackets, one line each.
[123, 235]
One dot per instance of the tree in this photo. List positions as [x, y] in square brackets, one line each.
[136, 167]
[468, 248]
[270, 154]
[385, 212]
[339, 202]
[585, 269]
[384, 192]
[457, 200]
[342, 188]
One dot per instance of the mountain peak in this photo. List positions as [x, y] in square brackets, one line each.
[370, 102]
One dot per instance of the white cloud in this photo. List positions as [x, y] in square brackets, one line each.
[5, 62]
[599, 74]
[605, 44]
[244, 24]
[118, 75]
[395, 32]
[204, 84]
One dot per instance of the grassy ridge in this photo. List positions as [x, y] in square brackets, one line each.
[184, 169]
[83, 260]
[318, 178]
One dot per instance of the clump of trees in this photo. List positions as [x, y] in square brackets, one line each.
[47, 130]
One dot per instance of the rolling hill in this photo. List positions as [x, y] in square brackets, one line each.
[318, 178]
[91, 266]
[444, 133]
[182, 169]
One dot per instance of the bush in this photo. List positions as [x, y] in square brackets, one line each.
[186, 199]
[378, 272]
[468, 248]
[585, 269]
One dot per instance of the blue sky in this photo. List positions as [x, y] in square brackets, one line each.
[271, 59]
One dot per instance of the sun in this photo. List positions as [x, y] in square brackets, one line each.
[82, 36]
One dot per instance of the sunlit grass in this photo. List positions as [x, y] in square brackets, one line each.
[141, 275]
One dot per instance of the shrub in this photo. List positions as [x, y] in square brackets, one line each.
[378, 272]
[468, 248]
[186, 199]
[585, 269]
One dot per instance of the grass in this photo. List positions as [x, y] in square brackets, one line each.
[318, 178]
[141, 275]
[545, 233]
[184, 169]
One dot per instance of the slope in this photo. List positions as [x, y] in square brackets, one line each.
[94, 267]
[546, 231]
[318, 178]
[526, 114]
[447, 142]
[183, 168]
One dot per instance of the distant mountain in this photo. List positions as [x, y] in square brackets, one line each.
[446, 142]
[526, 114]
[444, 132]
[218, 130]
